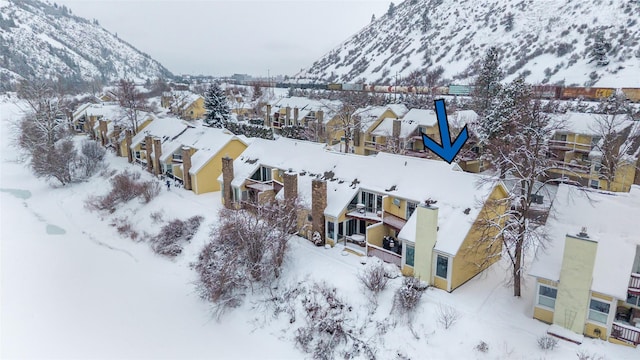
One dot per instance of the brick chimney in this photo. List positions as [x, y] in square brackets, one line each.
[127, 141]
[290, 181]
[157, 152]
[318, 205]
[357, 131]
[320, 117]
[395, 133]
[186, 166]
[102, 126]
[148, 143]
[267, 116]
[227, 178]
[287, 116]
[296, 113]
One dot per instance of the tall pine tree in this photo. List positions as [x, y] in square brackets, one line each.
[215, 104]
[487, 83]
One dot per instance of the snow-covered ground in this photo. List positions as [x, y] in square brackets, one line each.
[71, 287]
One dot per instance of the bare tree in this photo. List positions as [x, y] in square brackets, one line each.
[617, 145]
[515, 142]
[346, 110]
[56, 162]
[132, 101]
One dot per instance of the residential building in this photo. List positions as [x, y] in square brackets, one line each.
[374, 205]
[588, 274]
[184, 104]
[576, 149]
[369, 118]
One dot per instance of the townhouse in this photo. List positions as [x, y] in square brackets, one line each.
[588, 274]
[398, 208]
[368, 119]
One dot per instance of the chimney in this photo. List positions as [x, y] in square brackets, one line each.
[426, 236]
[157, 152]
[102, 124]
[296, 113]
[127, 140]
[116, 135]
[320, 117]
[227, 178]
[318, 205]
[148, 144]
[397, 124]
[287, 118]
[290, 181]
[576, 276]
[267, 116]
[186, 166]
[357, 131]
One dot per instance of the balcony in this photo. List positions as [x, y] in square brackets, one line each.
[575, 166]
[627, 333]
[359, 211]
[569, 145]
[177, 158]
[384, 254]
[634, 284]
[372, 145]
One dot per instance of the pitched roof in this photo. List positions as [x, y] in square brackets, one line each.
[399, 176]
[611, 220]
[587, 124]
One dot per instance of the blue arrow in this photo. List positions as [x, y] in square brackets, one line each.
[448, 150]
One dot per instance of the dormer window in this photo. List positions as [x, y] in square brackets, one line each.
[263, 174]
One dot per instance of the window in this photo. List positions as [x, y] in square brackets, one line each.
[411, 207]
[598, 311]
[547, 296]
[441, 266]
[330, 229]
[563, 137]
[262, 174]
[633, 299]
[168, 169]
[410, 255]
[372, 202]
[595, 184]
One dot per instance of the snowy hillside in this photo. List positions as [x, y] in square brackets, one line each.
[550, 40]
[39, 39]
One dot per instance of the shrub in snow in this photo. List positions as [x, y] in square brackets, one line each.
[408, 295]
[447, 315]
[583, 355]
[125, 228]
[125, 186]
[482, 347]
[172, 236]
[247, 250]
[91, 158]
[547, 342]
[374, 278]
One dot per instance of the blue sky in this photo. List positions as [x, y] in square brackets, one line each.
[222, 37]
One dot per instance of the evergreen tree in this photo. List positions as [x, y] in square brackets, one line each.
[217, 110]
[487, 83]
[373, 17]
[598, 53]
[391, 9]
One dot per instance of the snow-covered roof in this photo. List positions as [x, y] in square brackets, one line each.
[329, 107]
[410, 178]
[423, 117]
[611, 219]
[164, 128]
[587, 124]
[368, 115]
[408, 124]
[184, 98]
[108, 111]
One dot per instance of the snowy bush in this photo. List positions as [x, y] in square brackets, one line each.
[125, 228]
[547, 342]
[447, 315]
[482, 347]
[583, 355]
[125, 187]
[172, 236]
[247, 250]
[408, 295]
[91, 158]
[374, 278]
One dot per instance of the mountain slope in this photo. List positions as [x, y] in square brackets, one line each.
[551, 41]
[38, 39]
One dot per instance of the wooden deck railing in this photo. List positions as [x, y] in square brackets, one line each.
[626, 333]
[634, 281]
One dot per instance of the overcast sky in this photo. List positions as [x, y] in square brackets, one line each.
[223, 37]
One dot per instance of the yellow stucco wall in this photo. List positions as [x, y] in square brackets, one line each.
[426, 235]
[399, 211]
[601, 296]
[590, 331]
[469, 261]
[197, 107]
[440, 283]
[407, 270]
[576, 276]
[375, 234]
[544, 315]
[206, 179]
